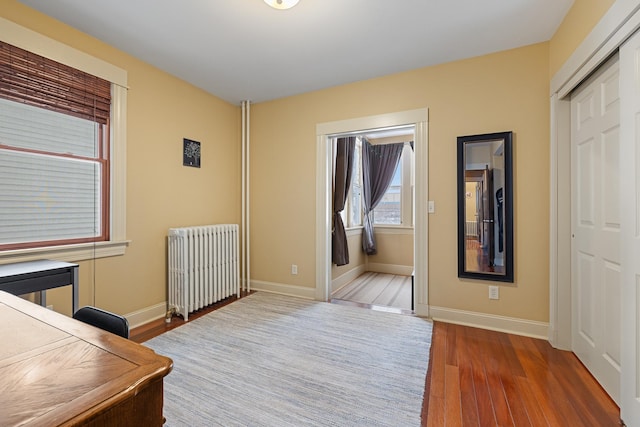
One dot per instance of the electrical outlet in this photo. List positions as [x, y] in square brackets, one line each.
[432, 206]
[294, 269]
[494, 292]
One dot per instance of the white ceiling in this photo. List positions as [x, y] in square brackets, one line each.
[244, 50]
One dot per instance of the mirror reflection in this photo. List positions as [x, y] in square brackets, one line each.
[485, 241]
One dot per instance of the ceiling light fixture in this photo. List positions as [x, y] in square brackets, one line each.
[281, 4]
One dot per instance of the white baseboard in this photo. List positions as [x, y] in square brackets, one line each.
[403, 270]
[146, 315]
[511, 325]
[282, 289]
[159, 311]
[347, 277]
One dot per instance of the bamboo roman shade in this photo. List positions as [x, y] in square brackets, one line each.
[35, 80]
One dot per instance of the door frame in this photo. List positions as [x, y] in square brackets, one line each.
[616, 26]
[419, 118]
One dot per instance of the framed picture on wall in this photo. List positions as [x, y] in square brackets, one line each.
[190, 153]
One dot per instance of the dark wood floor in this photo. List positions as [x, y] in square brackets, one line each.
[155, 328]
[485, 378]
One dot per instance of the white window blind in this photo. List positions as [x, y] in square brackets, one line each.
[50, 176]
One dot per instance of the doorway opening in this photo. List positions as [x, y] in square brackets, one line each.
[382, 180]
[418, 121]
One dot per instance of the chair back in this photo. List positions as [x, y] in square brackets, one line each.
[103, 319]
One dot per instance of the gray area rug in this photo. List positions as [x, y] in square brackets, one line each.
[273, 360]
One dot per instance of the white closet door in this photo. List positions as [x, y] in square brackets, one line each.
[595, 159]
[630, 228]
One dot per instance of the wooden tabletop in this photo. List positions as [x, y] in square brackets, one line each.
[55, 370]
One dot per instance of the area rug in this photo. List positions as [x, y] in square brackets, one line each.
[273, 360]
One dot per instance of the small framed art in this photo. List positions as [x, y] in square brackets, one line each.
[190, 153]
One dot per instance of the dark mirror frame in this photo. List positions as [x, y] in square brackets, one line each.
[463, 143]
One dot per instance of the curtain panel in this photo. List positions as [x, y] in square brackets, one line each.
[379, 163]
[342, 181]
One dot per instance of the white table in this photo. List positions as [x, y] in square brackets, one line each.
[38, 276]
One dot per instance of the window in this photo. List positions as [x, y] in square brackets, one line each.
[396, 206]
[354, 201]
[389, 209]
[66, 142]
[53, 152]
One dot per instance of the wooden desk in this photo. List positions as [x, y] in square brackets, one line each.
[57, 371]
[38, 276]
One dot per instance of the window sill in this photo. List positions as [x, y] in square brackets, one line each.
[68, 253]
[392, 229]
[353, 231]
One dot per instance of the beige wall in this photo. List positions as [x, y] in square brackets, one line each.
[161, 193]
[394, 249]
[582, 17]
[504, 91]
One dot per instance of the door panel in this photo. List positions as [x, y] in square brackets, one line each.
[595, 111]
[611, 301]
[586, 292]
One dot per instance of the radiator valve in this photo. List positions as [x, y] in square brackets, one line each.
[170, 312]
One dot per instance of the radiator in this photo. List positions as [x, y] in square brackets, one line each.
[471, 228]
[203, 266]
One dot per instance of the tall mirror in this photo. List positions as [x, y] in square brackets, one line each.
[485, 207]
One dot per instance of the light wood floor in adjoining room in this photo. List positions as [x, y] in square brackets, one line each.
[377, 289]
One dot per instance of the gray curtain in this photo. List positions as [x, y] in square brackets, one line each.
[342, 181]
[379, 163]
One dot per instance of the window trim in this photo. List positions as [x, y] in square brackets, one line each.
[32, 41]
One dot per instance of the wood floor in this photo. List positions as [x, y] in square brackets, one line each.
[155, 328]
[485, 378]
[377, 289]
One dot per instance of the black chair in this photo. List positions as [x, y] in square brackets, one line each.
[103, 319]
